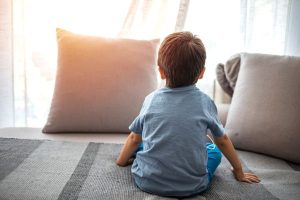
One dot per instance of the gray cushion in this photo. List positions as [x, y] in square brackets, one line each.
[100, 83]
[222, 80]
[265, 110]
[227, 74]
[231, 68]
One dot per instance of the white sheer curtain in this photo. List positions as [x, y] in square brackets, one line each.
[233, 26]
[30, 72]
[28, 46]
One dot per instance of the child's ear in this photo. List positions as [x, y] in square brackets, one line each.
[201, 73]
[162, 73]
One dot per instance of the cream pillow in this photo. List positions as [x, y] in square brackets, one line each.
[264, 115]
[100, 82]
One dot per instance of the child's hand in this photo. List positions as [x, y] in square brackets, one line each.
[245, 177]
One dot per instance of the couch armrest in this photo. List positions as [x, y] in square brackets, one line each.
[222, 112]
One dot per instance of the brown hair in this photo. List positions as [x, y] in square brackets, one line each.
[182, 58]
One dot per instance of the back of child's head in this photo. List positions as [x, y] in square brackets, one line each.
[182, 57]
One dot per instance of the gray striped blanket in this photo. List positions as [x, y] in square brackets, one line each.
[43, 169]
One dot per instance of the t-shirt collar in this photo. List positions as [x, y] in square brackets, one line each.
[184, 88]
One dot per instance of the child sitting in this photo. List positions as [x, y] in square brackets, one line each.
[175, 158]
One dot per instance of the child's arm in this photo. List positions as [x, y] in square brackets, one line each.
[132, 143]
[226, 146]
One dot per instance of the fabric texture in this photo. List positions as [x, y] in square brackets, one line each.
[265, 110]
[232, 67]
[223, 112]
[174, 123]
[214, 157]
[100, 82]
[88, 171]
[227, 74]
[222, 80]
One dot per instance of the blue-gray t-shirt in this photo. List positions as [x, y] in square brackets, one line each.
[173, 123]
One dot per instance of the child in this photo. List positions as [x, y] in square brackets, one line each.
[175, 159]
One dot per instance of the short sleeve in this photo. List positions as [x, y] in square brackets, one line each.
[137, 124]
[215, 125]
